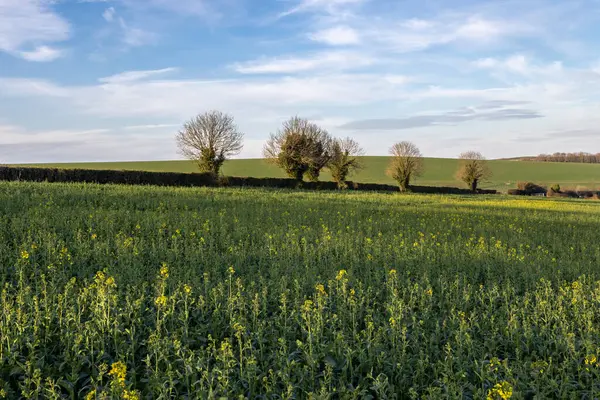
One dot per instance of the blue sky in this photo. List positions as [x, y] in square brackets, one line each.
[93, 80]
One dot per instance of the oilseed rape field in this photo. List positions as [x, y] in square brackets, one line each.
[117, 292]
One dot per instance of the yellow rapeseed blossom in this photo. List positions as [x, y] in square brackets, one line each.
[24, 255]
[231, 270]
[321, 290]
[591, 361]
[164, 271]
[91, 395]
[429, 292]
[393, 273]
[130, 395]
[341, 274]
[503, 390]
[161, 301]
[119, 371]
[307, 306]
[187, 288]
[110, 281]
[94, 236]
[100, 277]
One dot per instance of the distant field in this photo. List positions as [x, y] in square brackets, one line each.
[438, 172]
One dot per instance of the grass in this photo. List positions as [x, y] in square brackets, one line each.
[142, 292]
[438, 172]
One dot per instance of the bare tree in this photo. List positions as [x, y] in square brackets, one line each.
[300, 148]
[209, 139]
[473, 169]
[406, 163]
[343, 160]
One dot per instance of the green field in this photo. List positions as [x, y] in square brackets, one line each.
[438, 172]
[121, 292]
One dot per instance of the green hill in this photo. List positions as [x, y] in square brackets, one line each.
[438, 171]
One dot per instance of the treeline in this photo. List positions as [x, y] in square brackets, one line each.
[302, 149]
[581, 157]
[26, 174]
[533, 189]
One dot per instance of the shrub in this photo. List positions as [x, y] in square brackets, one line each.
[531, 188]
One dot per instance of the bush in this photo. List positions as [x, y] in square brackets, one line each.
[516, 192]
[530, 188]
[555, 188]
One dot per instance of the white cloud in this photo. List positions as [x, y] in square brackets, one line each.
[519, 64]
[317, 62]
[132, 76]
[24, 23]
[42, 54]
[336, 36]
[135, 37]
[476, 28]
[109, 14]
[321, 6]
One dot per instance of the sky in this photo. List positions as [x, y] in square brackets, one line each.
[114, 80]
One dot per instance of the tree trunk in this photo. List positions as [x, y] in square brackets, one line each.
[474, 185]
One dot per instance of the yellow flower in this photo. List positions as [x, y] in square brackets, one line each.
[130, 395]
[392, 321]
[110, 281]
[321, 290]
[164, 271]
[591, 360]
[100, 277]
[33, 246]
[24, 255]
[393, 273]
[94, 236]
[341, 274]
[91, 395]
[161, 301]
[503, 390]
[231, 270]
[429, 292]
[187, 288]
[308, 305]
[118, 371]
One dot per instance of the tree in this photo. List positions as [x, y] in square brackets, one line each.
[473, 169]
[406, 163]
[300, 148]
[343, 159]
[209, 139]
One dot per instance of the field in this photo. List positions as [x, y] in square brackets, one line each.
[438, 172]
[157, 293]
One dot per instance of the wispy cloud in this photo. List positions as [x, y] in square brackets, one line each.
[27, 23]
[320, 6]
[491, 111]
[42, 54]
[133, 76]
[324, 61]
[109, 14]
[337, 35]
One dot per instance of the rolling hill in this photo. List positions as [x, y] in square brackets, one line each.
[438, 171]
